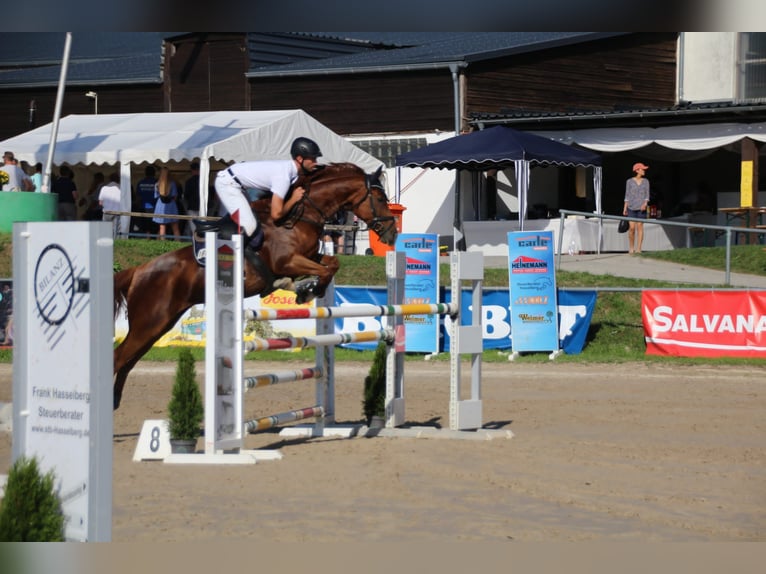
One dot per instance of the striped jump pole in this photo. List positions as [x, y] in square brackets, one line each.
[259, 344]
[263, 423]
[355, 310]
[258, 381]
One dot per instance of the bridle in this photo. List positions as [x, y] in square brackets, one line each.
[380, 224]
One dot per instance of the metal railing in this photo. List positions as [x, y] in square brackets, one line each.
[725, 230]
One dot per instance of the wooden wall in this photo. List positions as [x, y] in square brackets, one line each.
[206, 72]
[634, 72]
[364, 103]
[637, 72]
[14, 104]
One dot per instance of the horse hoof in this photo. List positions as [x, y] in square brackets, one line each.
[304, 290]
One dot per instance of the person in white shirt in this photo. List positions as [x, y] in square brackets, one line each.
[274, 176]
[109, 200]
[17, 179]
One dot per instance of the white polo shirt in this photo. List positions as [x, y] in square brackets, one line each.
[275, 176]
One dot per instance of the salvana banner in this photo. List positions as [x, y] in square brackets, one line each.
[704, 323]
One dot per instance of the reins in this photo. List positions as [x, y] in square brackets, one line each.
[298, 212]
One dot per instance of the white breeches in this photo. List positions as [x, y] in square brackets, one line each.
[233, 200]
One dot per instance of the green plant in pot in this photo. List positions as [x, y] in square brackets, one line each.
[185, 409]
[31, 510]
[374, 403]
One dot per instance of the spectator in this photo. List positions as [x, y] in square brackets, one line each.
[109, 200]
[166, 194]
[6, 315]
[637, 191]
[37, 177]
[146, 200]
[65, 188]
[91, 206]
[17, 179]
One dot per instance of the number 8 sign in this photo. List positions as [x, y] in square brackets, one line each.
[153, 442]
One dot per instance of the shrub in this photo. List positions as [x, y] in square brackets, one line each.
[185, 409]
[31, 510]
[374, 403]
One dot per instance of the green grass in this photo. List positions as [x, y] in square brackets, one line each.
[615, 335]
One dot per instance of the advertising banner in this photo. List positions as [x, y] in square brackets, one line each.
[532, 280]
[704, 323]
[62, 404]
[575, 309]
[421, 285]
[575, 312]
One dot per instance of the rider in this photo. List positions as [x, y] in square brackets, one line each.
[274, 176]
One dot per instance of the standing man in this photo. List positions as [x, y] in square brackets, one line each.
[109, 199]
[275, 176]
[17, 179]
[636, 203]
[65, 188]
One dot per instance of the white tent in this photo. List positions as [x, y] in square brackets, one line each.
[687, 137]
[225, 137]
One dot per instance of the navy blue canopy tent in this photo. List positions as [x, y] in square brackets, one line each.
[501, 147]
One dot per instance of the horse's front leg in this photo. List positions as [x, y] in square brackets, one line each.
[331, 264]
[308, 289]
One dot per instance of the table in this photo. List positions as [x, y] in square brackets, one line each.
[750, 217]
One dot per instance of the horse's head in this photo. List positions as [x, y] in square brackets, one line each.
[373, 209]
[345, 186]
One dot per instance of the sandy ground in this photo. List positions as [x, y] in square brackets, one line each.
[600, 453]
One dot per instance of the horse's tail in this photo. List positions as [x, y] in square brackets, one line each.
[122, 281]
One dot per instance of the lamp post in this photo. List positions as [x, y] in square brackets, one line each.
[94, 96]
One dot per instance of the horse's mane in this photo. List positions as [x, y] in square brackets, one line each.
[328, 171]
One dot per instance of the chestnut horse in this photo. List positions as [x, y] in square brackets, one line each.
[156, 294]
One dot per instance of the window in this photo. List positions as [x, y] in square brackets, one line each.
[386, 150]
[752, 66]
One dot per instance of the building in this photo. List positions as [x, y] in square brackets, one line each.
[392, 92]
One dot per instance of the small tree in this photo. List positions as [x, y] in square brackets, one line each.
[185, 409]
[30, 510]
[374, 403]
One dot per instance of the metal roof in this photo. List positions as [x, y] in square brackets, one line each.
[686, 113]
[34, 59]
[438, 50]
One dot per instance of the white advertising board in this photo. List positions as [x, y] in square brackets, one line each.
[62, 365]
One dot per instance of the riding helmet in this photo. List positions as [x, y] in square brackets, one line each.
[305, 147]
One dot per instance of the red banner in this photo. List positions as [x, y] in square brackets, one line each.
[705, 323]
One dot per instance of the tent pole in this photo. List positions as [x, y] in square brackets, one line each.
[457, 224]
[56, 114]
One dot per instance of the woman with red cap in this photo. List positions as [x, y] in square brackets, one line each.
[636, 203]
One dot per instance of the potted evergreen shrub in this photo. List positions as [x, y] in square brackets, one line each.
[30, 510]
[185, 409]
[374, 403]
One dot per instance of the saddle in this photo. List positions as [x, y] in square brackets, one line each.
[226, 229]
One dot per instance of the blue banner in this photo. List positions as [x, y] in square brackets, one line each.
[421, 285]
[532, 281]
[575, 309]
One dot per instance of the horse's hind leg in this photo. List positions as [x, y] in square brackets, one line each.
[133, 347]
